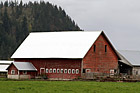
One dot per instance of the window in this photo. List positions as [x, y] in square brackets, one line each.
[84, 70]
[73, 71]
[24, 72]
[136, 72]
[12, 72]
[47, 70]
[69, 71]
[54, 70]
[88, 70]
[111, 71]
[77, 71]
[94, 48]
[61, 70]
[50, 70]
[58, 70]
[105, 48]
[65, 71]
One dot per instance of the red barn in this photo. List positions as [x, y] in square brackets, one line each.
[66, 55]
[24, 70]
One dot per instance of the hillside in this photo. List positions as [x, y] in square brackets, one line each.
[18, 20]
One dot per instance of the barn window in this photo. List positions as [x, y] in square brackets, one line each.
[77, 71]
[136, 72]
[58, 70]
[50, 70]
[112, 72]
[12, 72]
[73, 71]
[88, 70]
[69, 71]
[105, 48]
[24, 72]
[84, 70]
[94, 48]
[47, 70]
[54, 70]
[65, 71]
[61, 70]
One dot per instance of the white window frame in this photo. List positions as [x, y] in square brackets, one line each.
[73, 71]
[25, 72]
[62, 71]
[54, 70]
[50, 70]
[13, 72]
[69, 71]
[77, 71]
[87, 70]
[58, 70]
[47, 70]
[112, 71]
[65, 71]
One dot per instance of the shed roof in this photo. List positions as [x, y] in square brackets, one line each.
[3, 68]
[132, 56]
[24, 66]
[56, 44]
[5, 62]
[123, 59]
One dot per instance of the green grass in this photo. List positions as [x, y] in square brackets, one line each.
[67, 87]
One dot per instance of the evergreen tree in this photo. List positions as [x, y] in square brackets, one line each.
[24, 28]
[6, 21]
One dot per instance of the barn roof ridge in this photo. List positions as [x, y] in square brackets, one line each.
[65, 31]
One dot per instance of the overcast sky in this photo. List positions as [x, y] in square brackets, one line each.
[120, 19]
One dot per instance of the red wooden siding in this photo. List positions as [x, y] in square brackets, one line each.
[57, 64]
[97, 60]
[12, 67]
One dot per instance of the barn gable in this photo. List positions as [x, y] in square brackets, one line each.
[101, 57]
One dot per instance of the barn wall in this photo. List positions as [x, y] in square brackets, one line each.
[100, 61]
[136, 72]
[56, 64]
[30, 74]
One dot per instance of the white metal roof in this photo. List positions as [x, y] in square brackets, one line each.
[132, 56]
[3, 68]
[56, 44]
[123, 59]
[5, 62]
[25, 66]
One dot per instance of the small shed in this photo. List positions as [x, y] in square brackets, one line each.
[133, 57]
[3, 66]
[24, 70]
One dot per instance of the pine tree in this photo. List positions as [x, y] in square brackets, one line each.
[24, 28]
[6, 21]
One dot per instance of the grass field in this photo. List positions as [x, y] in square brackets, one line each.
[67, 87]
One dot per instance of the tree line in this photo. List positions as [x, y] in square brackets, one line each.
[17, 20]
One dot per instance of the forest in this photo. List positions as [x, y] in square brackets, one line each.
[18, 19]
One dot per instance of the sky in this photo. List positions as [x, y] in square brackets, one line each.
[119, 19]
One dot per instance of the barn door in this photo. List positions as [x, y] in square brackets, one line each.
[42, 70]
